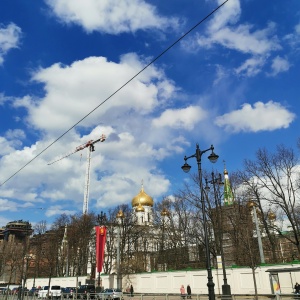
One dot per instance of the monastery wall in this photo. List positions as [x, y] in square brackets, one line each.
[239, 279]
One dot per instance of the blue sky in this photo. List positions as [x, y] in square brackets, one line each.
[232, 82]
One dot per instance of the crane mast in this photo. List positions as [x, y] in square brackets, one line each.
[90, 148]
[87, 181]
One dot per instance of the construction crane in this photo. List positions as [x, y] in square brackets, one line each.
[91, 148]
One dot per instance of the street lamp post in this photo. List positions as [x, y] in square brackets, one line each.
[164, 215]
[252, 205]
[120, 216]
[226, 291]
[26, 259]
[186, 168]
[77, 270]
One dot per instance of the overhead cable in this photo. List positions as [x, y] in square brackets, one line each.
[115, 92]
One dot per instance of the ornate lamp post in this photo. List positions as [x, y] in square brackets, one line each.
[226, 291]
[186, 168]
[165, 214]
[120, 216]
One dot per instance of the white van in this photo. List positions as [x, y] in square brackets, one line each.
[54, 292]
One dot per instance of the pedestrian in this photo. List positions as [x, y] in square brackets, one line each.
[297, 288]
[131, 291]
[189, 292]
[182, 291]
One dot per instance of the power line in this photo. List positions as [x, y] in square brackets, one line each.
[120, 88]
[23, 207]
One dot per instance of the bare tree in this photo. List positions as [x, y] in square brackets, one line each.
[3, 258]
[81, 239]
[60, 225]
[132, 241]
[14, 254]
[240, 228]
[51, 245]
[273, 179]
[40, 227]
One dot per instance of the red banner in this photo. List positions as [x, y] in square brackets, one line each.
[100, 246]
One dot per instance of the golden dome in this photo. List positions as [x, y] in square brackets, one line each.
[120, 214]
[165, 212]
[142, 198]
[225, 172]
[140, 208]
[251, 203]
[272, 216]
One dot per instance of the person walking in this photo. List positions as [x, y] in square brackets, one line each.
[189, 292]
[182, 291]
[297, 291]
[131, 291]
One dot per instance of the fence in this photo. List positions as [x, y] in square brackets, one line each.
[27, 296]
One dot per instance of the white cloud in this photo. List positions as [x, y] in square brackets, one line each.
[279, 65]
[114, 174]
[261, 117]
[251, 66]
[3, 98]
[55, 210]
[243, 40]
[110, 16]
[72, 91]
[9, 39]
[7, 205]
[180, 118]
[294, 38]
[221, 73]
[5, 146]
[227, 14]
[13, 138]
[15, 134]
[246, 39]
[221, 30]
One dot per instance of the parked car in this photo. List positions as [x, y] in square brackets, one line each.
[17, 290]
[10, 287]
[42, 293]
[85, 291]
[33, 291]
[108, 294]
[68, 292]
[14, 290]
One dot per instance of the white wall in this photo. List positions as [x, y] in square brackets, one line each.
[240, 280]
[62, 281]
